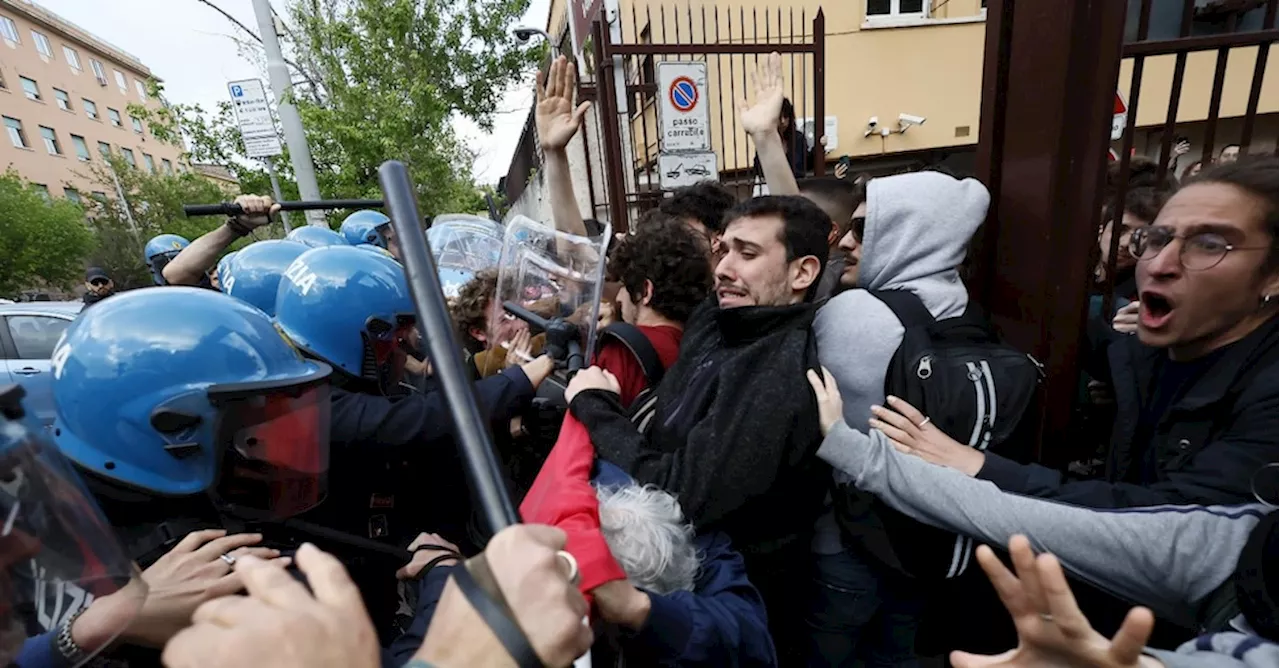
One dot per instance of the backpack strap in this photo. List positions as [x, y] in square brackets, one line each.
[639, 345]
[906, 306]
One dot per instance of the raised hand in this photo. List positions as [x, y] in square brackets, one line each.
[762, 117]
[1052, 631]
[556, 117]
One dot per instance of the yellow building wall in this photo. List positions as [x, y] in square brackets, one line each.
[931, 68]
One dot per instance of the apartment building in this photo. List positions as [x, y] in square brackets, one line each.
[64, 97]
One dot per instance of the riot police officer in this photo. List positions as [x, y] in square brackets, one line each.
[192, 261]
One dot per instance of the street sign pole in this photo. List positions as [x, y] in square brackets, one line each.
[304, 170]
[275, 191]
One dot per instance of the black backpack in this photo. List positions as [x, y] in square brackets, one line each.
[976, 388]
[642, 410]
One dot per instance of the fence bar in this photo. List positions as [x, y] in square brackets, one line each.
[1175, 94]
[609, 121]
[819, 92]
[1255, 89]
[1215, 101]
[1165, 47]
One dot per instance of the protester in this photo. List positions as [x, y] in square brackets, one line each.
[730, 439]
[97, 286]
[845, 202]
[193, 262]
[1229, 153]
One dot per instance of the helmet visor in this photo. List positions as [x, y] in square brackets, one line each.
[162, 260]
[387, 348]
[58, 554]
[276, 457]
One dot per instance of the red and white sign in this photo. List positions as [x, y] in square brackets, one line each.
[683, 115]
[1119, 117]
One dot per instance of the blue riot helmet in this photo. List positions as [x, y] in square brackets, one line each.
[376, 250]
[349, 308]
[366, 227]
[160, 251]
[217, 401]
[315, 236]
[222, 271]
[58, 554]
[254, 275]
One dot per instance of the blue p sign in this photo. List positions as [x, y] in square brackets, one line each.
[237, 91]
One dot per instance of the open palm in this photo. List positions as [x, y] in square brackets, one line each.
[762, 117]
[1052, 631]
[557, 118]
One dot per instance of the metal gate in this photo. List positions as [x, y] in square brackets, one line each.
[1049, 82]
[730, 41]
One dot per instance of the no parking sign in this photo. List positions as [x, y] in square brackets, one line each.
[683, 115]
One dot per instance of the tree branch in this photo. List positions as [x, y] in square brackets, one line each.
[255, 36]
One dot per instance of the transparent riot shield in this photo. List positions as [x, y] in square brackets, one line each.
[463, 245]
[549, 282]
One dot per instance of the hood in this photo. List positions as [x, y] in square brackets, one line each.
[918, 226]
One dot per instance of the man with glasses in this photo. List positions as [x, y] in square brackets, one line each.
[1196, 389]
[97, 286]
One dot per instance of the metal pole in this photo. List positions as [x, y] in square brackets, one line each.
[275, 192]
[438, 331]
[124, 203]
[303, 169]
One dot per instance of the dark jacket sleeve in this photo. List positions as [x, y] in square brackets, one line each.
[430, 589]
[369, 421]
[739, 446]
[721, 623]
[1222, 472]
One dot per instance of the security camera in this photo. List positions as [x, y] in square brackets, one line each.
[873, 122]
[908, 119]
[524, 33]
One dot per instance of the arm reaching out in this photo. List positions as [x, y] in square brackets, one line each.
[761, 122]
[558, 121]
[190, 266]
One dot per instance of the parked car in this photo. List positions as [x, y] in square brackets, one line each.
[28, 333]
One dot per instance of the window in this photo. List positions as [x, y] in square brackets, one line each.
[150, 162]
[105, 149]
[115, 118]
[142, 89]
[43, 191]
[72, 194]
[64, 102]
[42, 44]
[128, 157]
[30, 88]
[73, 58]
[50, 141]
[35, 336]
[121, 81]
[895, 8]
[98, 72]
[90, 109]
[9, 29]
[16, 134]
[166, 166]
[81, 147]
[137, 125]
[3, 85]
[99, 195]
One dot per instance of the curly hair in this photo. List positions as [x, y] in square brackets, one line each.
[668, 254]
[471, 307]
[705, 202]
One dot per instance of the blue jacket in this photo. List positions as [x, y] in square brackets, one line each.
[721, 623]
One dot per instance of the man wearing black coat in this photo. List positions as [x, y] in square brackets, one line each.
[736, 431]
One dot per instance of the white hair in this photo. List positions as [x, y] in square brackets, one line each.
[647, 534]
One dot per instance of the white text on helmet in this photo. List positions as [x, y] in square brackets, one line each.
[59, 359]
[229, 283]
[301, 275]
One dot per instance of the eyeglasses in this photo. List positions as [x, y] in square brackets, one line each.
[859, 227]
[99, 282]
[1198, 252]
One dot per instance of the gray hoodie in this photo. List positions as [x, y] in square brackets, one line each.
[917, 231]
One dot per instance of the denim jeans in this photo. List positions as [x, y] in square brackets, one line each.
[861, 610]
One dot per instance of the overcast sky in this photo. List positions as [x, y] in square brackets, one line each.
[186, 44]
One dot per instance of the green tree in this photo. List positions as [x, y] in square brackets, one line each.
[152, 205]
[377, 80]
[42, 241]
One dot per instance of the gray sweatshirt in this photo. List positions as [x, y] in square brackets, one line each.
[1169, 558]
[917, 230]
